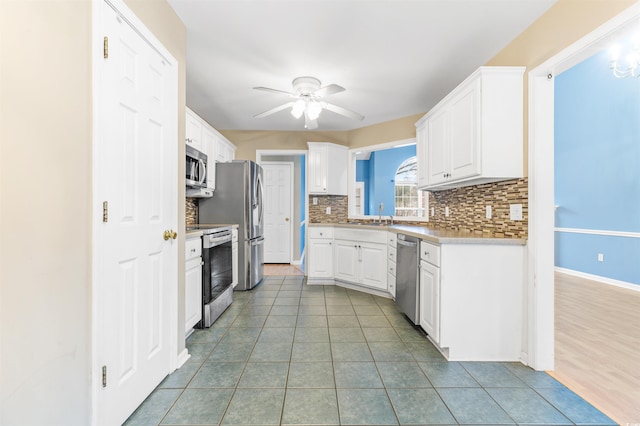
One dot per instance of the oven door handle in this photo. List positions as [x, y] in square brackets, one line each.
[213, 242]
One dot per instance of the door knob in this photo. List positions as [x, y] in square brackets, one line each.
[286, 219]
[169, 234]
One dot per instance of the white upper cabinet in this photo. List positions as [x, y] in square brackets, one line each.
[327, 172]
[193, 130]
[203, 137]
[225, 150]
[209, 147]
[474, 135]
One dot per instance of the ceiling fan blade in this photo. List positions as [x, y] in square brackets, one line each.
[274, 110]
[342, 111]
[328, 90]
[268, 89]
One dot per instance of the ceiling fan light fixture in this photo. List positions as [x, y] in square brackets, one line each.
[314, 109]
[298, 109]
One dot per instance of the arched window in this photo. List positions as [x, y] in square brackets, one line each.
[409, 201]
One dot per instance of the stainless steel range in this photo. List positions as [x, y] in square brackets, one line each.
[217, 272]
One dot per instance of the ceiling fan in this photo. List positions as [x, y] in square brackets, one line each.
[309, 101]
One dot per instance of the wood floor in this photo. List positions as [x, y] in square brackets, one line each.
[281, 269]
[597, 345]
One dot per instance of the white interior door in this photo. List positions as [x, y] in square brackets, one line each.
[135, 167]
[278, 211]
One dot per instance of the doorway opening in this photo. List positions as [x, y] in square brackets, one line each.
[541, 280]
[297, 201]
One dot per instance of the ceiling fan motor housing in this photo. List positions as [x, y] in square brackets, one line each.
[305, 85]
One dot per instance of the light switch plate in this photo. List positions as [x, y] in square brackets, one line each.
[329, 210]
[446, 211]
[488, 212]
[315, 201]
[515, 211]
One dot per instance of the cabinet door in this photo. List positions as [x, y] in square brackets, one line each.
[345, 260]
[317, 170]
[438, 147]
[193, 293]
[464, 132]
[234, 263]
[430, 300]
[421, 154]
[320, 258]
[372, 260]
[209, 148]
[193, 131]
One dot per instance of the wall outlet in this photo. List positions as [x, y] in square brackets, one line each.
[329, 210]
[488, 212]
[315, 201]
[433, 211]
[515, 211]
[446, 211]
[600, 257]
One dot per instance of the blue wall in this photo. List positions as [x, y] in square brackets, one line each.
[379, 173]
[362, 175]
[597, 169]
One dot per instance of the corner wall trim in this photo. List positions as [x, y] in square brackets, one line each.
[598, 278]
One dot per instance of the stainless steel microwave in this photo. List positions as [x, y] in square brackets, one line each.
[196, 168]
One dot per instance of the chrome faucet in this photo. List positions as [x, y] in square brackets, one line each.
[380, 210]
[391, 219]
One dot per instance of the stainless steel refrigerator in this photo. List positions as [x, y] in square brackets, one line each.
[237, 198]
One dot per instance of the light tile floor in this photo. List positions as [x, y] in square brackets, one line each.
[292, 354]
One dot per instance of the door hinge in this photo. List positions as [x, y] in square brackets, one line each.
[104, 376]
[105, 48]
[105, 211]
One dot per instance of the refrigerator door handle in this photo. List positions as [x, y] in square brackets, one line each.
[257, 241]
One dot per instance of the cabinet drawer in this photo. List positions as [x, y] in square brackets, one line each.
[391, 268]
[392, 254]
[430, 253]
[320, 232]
[193, 263]
[392, 239]
[192, 248]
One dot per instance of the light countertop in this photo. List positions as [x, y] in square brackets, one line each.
[439, 236]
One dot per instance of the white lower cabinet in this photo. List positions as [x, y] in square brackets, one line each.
[471, 300]
[320, 258]
[391, 263]
[361, 262]
[193, 283]
[430, 300]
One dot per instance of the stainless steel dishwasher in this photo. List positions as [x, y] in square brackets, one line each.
[407, 288]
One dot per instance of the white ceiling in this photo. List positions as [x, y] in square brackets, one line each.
[394, 57]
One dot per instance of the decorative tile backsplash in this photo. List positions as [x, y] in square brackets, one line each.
[191, 211]
[318, 212]
[467, 209]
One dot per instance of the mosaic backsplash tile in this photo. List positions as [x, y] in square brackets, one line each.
[191, 211]
[467, 209]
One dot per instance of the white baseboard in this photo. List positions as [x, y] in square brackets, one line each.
[183, 357]
[603, 280]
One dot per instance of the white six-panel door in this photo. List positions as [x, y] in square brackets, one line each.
[135, 175]
[278, 214]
